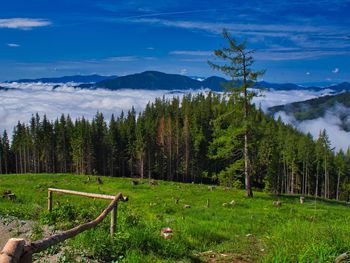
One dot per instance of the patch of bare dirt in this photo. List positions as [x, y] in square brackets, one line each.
[215, 257]
[13, 227]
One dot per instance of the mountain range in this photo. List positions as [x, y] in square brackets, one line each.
[155, 80]
[65, 79]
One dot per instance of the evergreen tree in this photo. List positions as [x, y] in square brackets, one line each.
[239, 69]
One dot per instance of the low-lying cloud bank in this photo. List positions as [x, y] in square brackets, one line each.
[24, 99]
[333, 121]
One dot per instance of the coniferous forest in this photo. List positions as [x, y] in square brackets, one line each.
[196, 139]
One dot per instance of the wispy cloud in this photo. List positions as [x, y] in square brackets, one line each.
[335, 71]
[272, 55]
[23, 23]
[13, 45]
[191, 52]
[122, 58]
[298, 40]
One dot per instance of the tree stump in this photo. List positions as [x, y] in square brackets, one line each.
[302, 199]
[99, 180]
[177, 200]
[211, 187]
[187, 206]
[134, 182]
[277, 203]
[166, 232]
[153, 182]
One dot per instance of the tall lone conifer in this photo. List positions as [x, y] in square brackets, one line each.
[237, 65]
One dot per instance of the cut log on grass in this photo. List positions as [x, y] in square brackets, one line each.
[9, 195]
[187, 206]
[342, 257]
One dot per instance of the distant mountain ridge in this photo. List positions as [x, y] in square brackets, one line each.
[155, 80]
[65, 79]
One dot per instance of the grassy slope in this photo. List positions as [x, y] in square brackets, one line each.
[251, 230]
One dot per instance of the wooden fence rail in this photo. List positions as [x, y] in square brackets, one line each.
[18, 251]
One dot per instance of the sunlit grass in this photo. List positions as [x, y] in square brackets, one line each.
[251, 228]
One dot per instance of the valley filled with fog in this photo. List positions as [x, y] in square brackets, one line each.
[20, 100]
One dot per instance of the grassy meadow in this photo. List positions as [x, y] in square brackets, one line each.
[248, 230]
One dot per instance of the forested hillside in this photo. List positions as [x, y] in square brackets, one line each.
[316, 108]
[196, 140]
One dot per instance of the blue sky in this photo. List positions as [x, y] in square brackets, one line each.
[295, 41]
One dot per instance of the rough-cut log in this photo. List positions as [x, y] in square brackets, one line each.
[41, 245]
[101, 196]
[341, 258]
[12, 250]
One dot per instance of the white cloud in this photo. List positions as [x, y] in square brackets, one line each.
[331, 122]
[13, 45]
[335, 71]
[308, 73]
[191, 53]
[122, 58]
[280, 97]
[183, 71]
[28, 98]
[23, 23]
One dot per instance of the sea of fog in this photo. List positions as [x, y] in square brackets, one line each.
[21, 100]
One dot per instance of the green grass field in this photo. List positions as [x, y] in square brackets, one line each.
[251, 230]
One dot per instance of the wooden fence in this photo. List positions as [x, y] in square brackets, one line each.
[18, 250]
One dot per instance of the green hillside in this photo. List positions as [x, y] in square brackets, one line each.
[248, 230]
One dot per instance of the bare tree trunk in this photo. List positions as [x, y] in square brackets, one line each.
[248, 188]
[0, 161]
[149, 164]
[292, 183]
[338, 185]
[141, 165]
[316, 190]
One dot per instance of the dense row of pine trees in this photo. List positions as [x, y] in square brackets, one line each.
[197, 139]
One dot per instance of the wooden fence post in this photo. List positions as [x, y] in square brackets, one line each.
[113, 227]
[49, 201]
